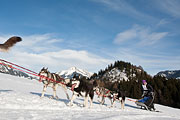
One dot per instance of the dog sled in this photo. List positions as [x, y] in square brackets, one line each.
[147, 103]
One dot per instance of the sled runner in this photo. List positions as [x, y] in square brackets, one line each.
[142, 105]
[145, 107]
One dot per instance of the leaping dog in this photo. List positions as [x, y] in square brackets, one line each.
[9, 43]
[52, 80]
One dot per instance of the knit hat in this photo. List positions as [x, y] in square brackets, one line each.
[143, 81]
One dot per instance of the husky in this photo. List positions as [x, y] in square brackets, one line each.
[116, 96]
[103, 92]
[81, 87]
[9, 43]
[56, 81]
[110, 91]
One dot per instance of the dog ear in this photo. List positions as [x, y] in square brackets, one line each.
[42, 69]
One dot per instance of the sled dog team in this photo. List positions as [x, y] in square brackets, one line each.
[86, 88]
[80, 87]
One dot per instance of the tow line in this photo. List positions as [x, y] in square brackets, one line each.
[99, 94]
[131, 100]
[25, 70]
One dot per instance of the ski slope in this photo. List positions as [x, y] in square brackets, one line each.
[20, 100]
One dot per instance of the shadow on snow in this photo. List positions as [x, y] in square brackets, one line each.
[6, 91]
[50, 97]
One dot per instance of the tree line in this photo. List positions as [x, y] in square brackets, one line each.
[167, 91]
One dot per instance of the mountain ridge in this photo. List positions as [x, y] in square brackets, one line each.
[170, 74]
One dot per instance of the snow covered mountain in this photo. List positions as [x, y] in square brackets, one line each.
[170, 74]
[7, 70]
[74, 71]
[121, 71]
[20, 100]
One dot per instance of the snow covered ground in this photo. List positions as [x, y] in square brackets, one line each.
[20, 100]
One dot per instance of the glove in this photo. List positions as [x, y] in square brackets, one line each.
[142, 95]
[151, 94]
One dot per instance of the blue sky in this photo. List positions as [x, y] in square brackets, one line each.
[90, 34]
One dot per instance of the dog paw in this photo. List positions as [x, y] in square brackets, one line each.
[86, 106]
[111, 106]
[70, 104]
[91, 106]
[56, 97]
[52, 97]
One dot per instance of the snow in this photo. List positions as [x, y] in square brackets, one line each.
[20, 100]
[171, 72]
[163, 75]
[116, 75]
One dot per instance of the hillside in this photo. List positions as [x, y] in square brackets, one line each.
[130, 79]
[20, 100]
[122, 71]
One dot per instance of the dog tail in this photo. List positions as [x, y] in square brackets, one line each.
[10, 43]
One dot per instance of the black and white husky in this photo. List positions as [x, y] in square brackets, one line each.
[52, 80]
[81, 87]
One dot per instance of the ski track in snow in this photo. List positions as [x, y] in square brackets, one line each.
[20, 100]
